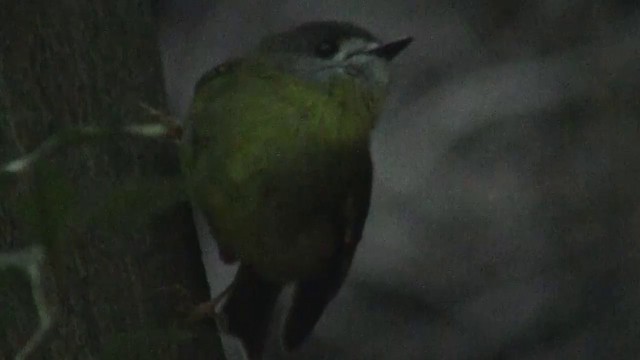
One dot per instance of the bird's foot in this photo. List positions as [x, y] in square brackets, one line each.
[209, 309]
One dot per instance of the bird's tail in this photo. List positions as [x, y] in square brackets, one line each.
[249, 309]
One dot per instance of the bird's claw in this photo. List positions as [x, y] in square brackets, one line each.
[209, 309]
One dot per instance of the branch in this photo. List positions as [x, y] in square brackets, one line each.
[166, 128]
[30, 261]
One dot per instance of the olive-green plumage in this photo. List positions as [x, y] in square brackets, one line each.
[277, 158]
[274, 162]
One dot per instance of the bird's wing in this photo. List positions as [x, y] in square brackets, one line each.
[193, 143]
[313, 295]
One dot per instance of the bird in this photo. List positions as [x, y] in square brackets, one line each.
[277, 157]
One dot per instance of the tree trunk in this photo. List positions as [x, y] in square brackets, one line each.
[118, 291]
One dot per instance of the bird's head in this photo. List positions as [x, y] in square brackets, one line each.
[328, 50]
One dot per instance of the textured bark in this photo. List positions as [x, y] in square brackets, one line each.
[119, 292]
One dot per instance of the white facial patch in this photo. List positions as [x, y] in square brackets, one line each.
[352, 46]
[354, 60]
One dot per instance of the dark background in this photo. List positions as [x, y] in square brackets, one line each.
[505, 220]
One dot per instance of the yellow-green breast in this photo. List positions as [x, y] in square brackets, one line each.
[272, 160]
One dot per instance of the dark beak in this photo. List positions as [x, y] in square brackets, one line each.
[389, 50]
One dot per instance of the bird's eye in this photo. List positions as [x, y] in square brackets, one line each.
[326, 49]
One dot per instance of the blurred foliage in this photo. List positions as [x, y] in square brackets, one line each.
[53, 213]
[132, 203]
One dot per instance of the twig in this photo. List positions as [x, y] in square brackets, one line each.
[172, 123]
[30, 261]
[84, 134]
[168, 119]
